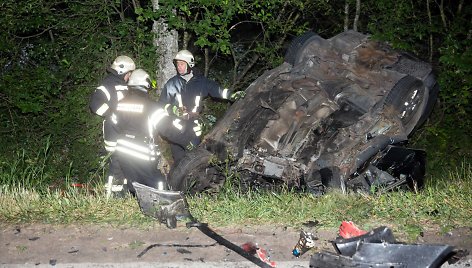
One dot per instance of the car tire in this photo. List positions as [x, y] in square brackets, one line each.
[433, 97]
[407, 100]
[410, 65]
[293, 51]
[191, 170]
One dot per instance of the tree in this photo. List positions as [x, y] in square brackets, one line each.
[166, 47]
[52, 55]
[215, 28]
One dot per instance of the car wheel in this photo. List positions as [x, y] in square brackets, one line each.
[433, 97]
[192, 172]
[293, 51]
[407, 100]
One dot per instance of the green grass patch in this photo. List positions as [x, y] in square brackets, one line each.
[67, 207]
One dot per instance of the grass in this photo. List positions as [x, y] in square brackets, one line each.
[444, 203]
[67, 207]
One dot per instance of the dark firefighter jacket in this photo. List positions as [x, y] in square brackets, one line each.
[189, 95]
[105, 98]
[138, 118]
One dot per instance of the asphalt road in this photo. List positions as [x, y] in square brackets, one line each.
[107, 247]
[243, 264]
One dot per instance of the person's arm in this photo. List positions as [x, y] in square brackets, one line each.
[174, 129]
[216, 91]
[100, 101]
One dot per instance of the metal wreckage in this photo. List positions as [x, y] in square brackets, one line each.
[336, 114]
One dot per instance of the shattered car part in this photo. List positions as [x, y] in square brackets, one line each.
[378, 248]
[411, 255]
[348, 247]
[166, 206]
[262, 254]
[337, 113]
[163, 205]
[305, 243]
[348, 229]
[327, 259]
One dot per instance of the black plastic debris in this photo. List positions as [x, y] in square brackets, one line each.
[348, 247]
[378, 248]
[413, 255]
[327, 259]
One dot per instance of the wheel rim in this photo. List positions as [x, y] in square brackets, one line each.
[411, 105]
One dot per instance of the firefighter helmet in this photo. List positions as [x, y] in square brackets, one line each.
[123, 64]
[187, 56]
[139, 78]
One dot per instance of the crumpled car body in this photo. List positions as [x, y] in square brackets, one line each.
[337, 113]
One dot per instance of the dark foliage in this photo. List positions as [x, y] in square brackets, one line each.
[53, 53]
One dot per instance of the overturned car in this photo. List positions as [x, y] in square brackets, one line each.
[337, 113]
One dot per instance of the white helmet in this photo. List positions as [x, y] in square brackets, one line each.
[139, 77]
[186, 56]
[123, 64]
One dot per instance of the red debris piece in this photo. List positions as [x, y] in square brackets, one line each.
[249, 247]
[348, 229]
[261, 253]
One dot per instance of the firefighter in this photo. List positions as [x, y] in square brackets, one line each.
[137, 120]
[103, 103]
[183, 94]
[105, 98]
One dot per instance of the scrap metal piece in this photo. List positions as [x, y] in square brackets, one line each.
[348, 247]
[378, 248]
[331, 260]
[413, 255]
[163, 205]
[385, 255]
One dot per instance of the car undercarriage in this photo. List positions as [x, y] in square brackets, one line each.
[336, 114]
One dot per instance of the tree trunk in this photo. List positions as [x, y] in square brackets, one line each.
[207, 62]
[166, 42]
[459, 7]
[443, 15]
[428, 7]
[185, 40]
[358, 12]
[346, 16]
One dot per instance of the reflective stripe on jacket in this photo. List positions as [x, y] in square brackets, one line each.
[105, 98]
[138, 119]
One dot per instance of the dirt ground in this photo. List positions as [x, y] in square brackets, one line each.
[52, 244]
